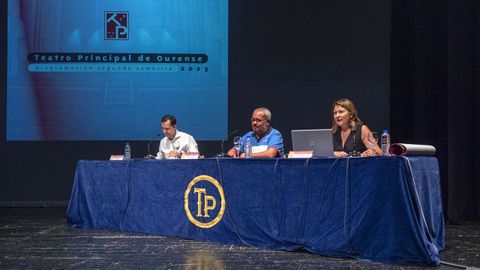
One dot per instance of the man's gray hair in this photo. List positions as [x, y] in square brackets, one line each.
[266, 111]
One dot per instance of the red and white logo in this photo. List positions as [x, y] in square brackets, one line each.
[116, 25]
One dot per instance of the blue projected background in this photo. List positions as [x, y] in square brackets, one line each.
[50, 98]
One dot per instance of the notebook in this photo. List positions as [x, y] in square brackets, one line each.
[320, 141]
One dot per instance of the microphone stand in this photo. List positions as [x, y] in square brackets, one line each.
[354, 152]
[150, 156]
[222, 147]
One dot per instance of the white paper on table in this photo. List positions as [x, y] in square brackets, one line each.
[259, 148]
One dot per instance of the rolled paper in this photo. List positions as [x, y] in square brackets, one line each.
[405, 149]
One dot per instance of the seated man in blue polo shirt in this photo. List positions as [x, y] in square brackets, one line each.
[266, 141]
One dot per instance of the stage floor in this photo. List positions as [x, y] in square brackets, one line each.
[39, 238]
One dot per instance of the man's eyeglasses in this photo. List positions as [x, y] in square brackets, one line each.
[257, 120]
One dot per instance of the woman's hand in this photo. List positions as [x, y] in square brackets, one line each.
[368, 153]
[340, 154]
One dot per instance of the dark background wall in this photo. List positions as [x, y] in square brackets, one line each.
[435, 91]
[297, 58]
[391, 57]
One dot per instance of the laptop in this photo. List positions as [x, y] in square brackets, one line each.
[320, 141]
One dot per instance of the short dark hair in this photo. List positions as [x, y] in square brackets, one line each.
[173, 120]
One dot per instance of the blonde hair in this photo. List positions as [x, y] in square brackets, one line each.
[349, 106]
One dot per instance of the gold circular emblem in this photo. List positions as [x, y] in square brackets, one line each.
[205, 202]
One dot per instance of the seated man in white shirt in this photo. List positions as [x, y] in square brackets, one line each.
[175, 143]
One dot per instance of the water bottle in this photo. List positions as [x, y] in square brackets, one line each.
[248, 149]
[128, 152]
[385, 140]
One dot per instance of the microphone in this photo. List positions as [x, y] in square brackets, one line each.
[354, 152]
[149, 156]
[222, 148]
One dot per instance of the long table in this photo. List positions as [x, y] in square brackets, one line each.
[386, 209]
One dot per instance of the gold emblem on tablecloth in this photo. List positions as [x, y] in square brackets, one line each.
[206, 203]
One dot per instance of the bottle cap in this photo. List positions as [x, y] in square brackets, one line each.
[385, 131]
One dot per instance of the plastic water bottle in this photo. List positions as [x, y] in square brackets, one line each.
[385, 140]
[128, 152]
[248, 149]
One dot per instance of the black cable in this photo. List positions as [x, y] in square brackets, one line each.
[226, 205]
[276, 201]
[457, 265]
[419, 204]
[306, 171]
[128, 177]
[346, 228]
[325, 177]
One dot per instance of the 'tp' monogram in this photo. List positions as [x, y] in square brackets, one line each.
[206, 206]
[206, 203]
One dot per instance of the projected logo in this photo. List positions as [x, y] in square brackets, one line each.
[116, 25]
[204, 201]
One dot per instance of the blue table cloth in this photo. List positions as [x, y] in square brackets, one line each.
[386, 209]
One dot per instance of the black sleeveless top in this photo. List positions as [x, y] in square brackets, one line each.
[353, 143]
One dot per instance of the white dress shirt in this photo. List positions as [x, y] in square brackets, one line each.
[182, 143]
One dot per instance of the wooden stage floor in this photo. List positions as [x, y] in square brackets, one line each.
[38, 238]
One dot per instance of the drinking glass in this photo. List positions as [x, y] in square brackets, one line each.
[373, 139]
[236, 145]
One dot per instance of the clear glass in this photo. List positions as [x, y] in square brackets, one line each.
[237, 145]
[373, 139]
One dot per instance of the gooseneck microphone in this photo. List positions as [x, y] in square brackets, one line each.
[149, 156]
[222, 147]
[354, 151]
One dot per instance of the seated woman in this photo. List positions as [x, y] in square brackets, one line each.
[350, 136]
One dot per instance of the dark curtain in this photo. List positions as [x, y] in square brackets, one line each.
[435, 95]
